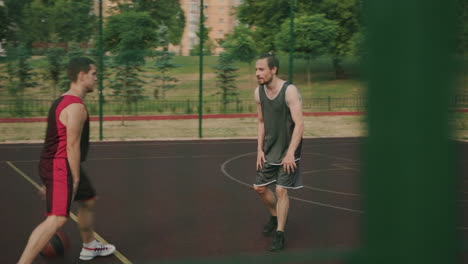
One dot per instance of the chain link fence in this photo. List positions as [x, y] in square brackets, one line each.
[39, 107]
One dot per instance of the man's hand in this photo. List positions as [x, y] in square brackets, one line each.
[260, 159]
[42, 192]
[75, 189]
[289, 165]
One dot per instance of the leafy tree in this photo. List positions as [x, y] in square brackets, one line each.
[208, 44]
[127, 84]
[164, 64]
[167, 13]
[462, 17]
[357, 43]
[129, 36]
[74, 50]
[35, 24]
[56, 63]
[347, 13]
[265, 16]
[74, 20]
[241, 45]
[11, 15]
[20, 76]
[59, 20]
[5, 23]
[315, 36]
[226, 77]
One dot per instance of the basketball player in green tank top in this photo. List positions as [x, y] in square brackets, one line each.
[280, 129]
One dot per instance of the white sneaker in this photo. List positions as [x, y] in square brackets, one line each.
[98, 250]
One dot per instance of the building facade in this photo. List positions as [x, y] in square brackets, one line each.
[220, 20]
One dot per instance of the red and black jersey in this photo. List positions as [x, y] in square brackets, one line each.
[55, 145]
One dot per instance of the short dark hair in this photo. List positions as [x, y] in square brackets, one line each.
[271, 59]
[77, 65]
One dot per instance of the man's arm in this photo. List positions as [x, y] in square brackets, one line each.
[73, 117]
[260, 132]
[294, 101]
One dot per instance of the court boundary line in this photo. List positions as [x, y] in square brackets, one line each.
[117, 254]
[224, 171]
[192, 141]
[327, 190]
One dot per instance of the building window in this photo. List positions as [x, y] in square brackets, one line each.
[221, 20]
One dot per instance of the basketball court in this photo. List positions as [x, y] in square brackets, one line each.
[192, 202]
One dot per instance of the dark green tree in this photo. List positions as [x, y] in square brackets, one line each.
[59, 20]
[129, 36]
[462, 25]
[12, 15]
[167, 13]
[164, 63]
[208, 44]
[56, 65]
[35, 25]
[347, 14]
[74, 20]
[20, 76]
[5, 24]
[241, 45]
[315, 36]
[265, 16]
[226, 78]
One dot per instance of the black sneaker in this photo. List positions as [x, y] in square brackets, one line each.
[270, 226]
[278, 242]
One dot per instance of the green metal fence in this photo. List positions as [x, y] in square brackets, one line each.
[39, 107]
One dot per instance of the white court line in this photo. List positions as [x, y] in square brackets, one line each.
[223, 169]
[326, 190]
[137, 158]
[170, 142]
[346, 168]
[117, 254]
[330, 156]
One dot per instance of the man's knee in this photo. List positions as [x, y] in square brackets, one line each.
[56, 221]
[281, 192]
[88, 204]
[261, 190]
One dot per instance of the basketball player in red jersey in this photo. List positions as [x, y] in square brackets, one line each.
[66, 146]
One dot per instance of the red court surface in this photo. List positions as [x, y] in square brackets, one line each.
[192, 202]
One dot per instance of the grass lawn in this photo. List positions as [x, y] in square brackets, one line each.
[321, 84]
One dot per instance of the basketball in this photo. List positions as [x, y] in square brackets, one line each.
[57, 245]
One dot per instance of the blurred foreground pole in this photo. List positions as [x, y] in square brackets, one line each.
[409, 183]
[100, 71]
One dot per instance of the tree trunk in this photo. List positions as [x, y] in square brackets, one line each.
[339, 71]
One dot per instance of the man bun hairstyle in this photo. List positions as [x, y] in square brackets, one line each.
[77, 65]
[271, 59]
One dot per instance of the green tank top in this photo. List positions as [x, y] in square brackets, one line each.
[279, 126]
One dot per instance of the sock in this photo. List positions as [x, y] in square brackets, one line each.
[90, 244]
